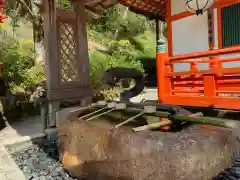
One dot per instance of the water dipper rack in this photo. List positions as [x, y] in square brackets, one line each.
[140, 109]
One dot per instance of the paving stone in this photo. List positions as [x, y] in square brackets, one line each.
[8, 168]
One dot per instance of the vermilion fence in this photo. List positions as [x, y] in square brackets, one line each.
[216, 87]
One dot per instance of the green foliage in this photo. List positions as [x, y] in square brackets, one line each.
[128, 37]
[33, 76]
[64, 5]
[110, 94]
[119, 23]
[18, 59]
[135, 47]
[146, 43]
[99, 62]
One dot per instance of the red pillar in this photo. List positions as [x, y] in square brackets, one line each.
[163, 82]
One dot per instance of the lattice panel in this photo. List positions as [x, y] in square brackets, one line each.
[68, 71]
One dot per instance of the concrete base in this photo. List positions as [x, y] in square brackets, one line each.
[148, 94]
[51, 133]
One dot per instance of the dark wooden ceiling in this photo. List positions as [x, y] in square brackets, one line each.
[154, 9]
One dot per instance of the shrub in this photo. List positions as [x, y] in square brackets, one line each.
[100, 62]
[19, 68]
[17, 57]
[33, 76]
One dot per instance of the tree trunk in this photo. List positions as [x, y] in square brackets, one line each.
[93, 150]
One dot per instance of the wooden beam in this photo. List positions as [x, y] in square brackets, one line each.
[82, 58]
[52, 63]
[72, 93]
[82, 42]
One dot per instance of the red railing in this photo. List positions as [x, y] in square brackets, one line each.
[200, 87]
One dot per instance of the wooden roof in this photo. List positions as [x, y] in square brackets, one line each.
[150, 8]
[99, 6]
[153, 9]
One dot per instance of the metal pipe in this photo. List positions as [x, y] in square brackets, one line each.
[147, 109]
[130, 119]
[152, 126]
[94, 117]
[92, 113]
[161, 107]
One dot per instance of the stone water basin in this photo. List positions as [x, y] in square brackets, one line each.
[94, 150]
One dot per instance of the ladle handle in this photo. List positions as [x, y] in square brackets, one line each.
[130, 119]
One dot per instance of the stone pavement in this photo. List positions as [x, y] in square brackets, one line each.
[8, 168]
[147, 94]
[21, 130]
[17, 132]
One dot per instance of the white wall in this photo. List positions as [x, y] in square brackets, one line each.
[177, 6]
[190, 35]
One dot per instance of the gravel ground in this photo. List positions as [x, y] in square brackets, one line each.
[38, 160]
[231, 173]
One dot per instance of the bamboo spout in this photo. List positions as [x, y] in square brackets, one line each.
[161, 124]
[199, 120]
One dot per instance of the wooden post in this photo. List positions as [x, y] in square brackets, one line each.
[82, 58]
[52, 115]
[162, 57]
[52, 62]
[44, 117]
[209, 80]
